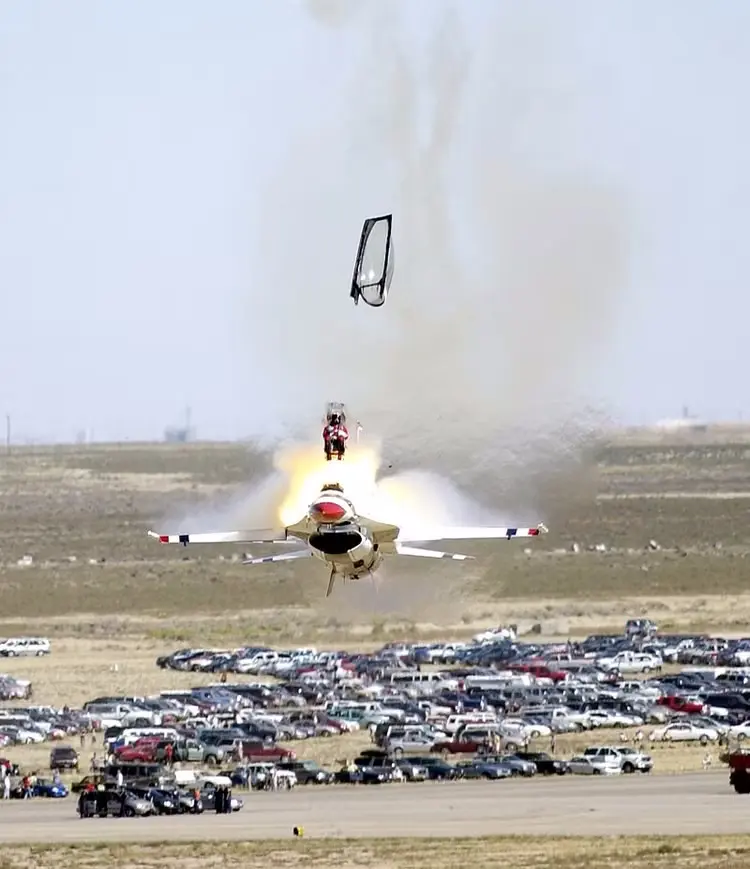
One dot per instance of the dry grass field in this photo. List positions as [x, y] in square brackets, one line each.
[543, 852]
[82, 514]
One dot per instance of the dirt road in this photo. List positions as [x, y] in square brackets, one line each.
[574, 805]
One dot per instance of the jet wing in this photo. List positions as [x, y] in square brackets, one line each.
[476, 532]
[373, 267]
[262, 536]
[446, 532]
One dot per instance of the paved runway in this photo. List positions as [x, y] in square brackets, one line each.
[573, 805]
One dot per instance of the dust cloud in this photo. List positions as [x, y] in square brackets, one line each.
[410, 499]
[508, 276]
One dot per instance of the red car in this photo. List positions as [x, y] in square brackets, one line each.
[681, 704]
[259, 751]
[141, 751]
[540, 671]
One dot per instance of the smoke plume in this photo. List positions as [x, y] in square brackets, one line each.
[507, 275]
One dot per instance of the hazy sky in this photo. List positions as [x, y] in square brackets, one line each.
[182, 185]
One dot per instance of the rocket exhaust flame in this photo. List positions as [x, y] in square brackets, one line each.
[406, 498]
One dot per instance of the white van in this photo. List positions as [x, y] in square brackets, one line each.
[488, 682]
[456, 722]
[18, 646]
[423, 683]
[131, 735]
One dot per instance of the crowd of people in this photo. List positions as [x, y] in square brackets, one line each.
[27, 783]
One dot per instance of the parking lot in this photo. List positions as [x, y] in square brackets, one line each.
[495, 734]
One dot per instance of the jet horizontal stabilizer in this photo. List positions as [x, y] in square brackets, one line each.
[284, 556]
[430, 553]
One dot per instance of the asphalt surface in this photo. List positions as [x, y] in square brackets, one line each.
[573, 805]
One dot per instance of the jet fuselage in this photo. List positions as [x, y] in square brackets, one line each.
[338, 539]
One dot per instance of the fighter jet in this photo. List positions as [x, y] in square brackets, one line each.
[352, 546]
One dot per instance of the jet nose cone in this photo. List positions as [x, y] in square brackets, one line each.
[327, 511]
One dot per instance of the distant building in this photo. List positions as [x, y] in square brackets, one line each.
[179, 435]
[684, 423]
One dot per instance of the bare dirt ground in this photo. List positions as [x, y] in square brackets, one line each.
[112, 600]
[570, 805]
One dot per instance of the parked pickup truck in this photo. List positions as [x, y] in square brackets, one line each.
[262, 751]
[630, 760]
[464, 744]
[252, 749]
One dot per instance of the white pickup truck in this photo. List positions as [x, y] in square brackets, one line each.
[629, 759]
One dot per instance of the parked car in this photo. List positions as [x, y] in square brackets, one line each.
[517, 765]
[24, 646]
[583, 765]
[483, 768]
[436, 768]
[545, 764]
[49, 788]
[63, 757]
[686, 731]
[307, 772]
[113, 802]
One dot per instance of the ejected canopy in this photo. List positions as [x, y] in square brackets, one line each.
[373, 268]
